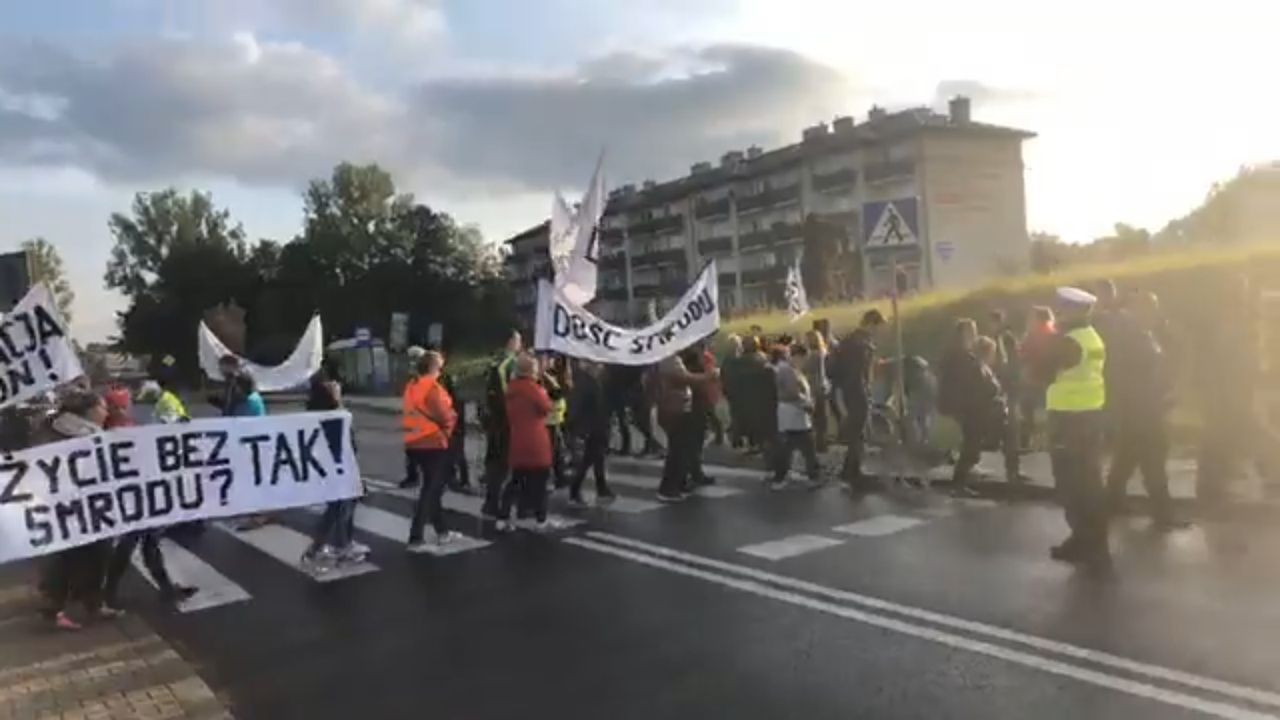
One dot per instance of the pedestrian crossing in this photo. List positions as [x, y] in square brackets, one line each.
[384, 522]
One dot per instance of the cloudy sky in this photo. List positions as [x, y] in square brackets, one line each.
[481, 107]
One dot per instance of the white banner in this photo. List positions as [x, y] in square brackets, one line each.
[36, 353]
[797, 298]
[73, 492]
[566, 327]
[574, 247]
[301, 364]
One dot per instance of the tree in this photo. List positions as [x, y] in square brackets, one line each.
[46, 267]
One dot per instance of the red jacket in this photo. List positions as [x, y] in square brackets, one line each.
[527, 409]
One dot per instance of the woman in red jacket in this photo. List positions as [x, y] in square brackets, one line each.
[529, 453]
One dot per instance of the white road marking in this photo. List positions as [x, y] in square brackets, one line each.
[645, 482]
[757, 474]
[185, 568]
[1099, 657]
[789, 546]
[1057, 667]
[465, 504]
[287, 545]
[391, 526]
[878, 526]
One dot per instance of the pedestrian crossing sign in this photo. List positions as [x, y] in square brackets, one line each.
[892, 223]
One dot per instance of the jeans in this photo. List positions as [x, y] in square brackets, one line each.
[336, 526]
[593, 451]
[528, 487]
[684, 440]
[788, 442]
[1076, 456]
[855, 429]
[431, 465]
[1141, 444]
[151, 558]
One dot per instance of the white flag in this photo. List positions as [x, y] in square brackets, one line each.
[797, 298]
[561, 235]
[578, 281]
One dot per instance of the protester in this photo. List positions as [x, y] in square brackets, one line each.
[712, 393]
[414, 355]
[969, 393]
[1139, 399]
[528, 406]
[248, 403]
[676, 417]
[556, 381]
[589, 420]
[1008, 370]
[119, 416]
[625, 388]
[1075, 401]
[77, 574]
[493, 417]
[921, 389]
[704, 394]
[231, 396]
[813, 364]
[734, 367]
[759, 397]
[457, 471]
[428, 419]
[1001, 432]
[822, 326]
[796, 406]
[851, 372]
[333, 542]
[168, 408]
[1036, 341]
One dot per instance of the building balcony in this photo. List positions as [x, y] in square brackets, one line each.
[674, 223]
[611, 234]
[757, 239]
[879, 172]
[727, 279]
[613, 293]
[712, 246]
[761, 276]
[785, 232]
[674, 256]
[713, 208]
[768, 198]
[647, 289]
[842, 178]
[613, 260]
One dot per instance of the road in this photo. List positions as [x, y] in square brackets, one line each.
[740, 603]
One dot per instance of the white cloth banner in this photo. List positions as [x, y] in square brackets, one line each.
[574, 247]
[73, 492]
[301, 364]
[566, 327]
[36, 352]
[797, 298]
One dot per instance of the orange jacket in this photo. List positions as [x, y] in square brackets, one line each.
[427, 414]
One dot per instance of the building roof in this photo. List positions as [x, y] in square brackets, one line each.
[530, 234]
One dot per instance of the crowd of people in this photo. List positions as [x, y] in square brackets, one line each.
[1090, 378]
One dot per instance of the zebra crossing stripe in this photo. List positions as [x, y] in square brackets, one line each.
[287, 545]
[727, 471]
[645, 482]
[789, 546]
[186, 568]
[878, 526]
[394, 527]
[465, 504]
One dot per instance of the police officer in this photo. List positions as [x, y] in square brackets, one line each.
[1075, 401]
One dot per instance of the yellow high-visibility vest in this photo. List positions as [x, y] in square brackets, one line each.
[1081, 388]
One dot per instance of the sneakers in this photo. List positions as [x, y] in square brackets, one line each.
[503, 526]
[669, 499]
[448, 538]
[605, 498]
[543, 526]
[63, 621]
[578, 503]
[777, 484]
[354, 552]
[418, 546]
[407, 483]
[177, 594]
[320, 561]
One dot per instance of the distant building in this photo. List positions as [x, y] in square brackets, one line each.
[940, 195]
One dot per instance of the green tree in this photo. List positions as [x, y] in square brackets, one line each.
[46, 267]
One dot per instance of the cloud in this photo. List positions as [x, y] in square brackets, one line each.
[279, 113]
[980, 93]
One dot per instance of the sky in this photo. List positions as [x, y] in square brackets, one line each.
[482, 108]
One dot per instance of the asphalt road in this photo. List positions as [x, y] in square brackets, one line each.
[740, 603]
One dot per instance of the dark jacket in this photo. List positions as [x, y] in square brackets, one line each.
[968, 390]
[852, 365]
[588, 407]
[1138, 376]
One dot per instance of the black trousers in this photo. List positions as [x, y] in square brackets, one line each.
[855, 429]
[558, 469]
[684, 441]
[497, 443]
[594, 447]
[431, 465]
[789, 441]
[1075, 440]
[974, 432]
[637, 404]
[457, 472]
[1141, 444]
[698, 430]
[152, 559]
[820, 427]
[75, 575]
[528, 488]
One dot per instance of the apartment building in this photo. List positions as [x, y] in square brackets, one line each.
[938, 195]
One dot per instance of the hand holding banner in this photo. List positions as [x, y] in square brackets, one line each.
[36, 353]
[77, 491]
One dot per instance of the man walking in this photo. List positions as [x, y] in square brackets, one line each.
[494, 419]
[684, 431]
[1075, 401]
[1140, 396]
[854, 361]
[428, 420]
[589, 420]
